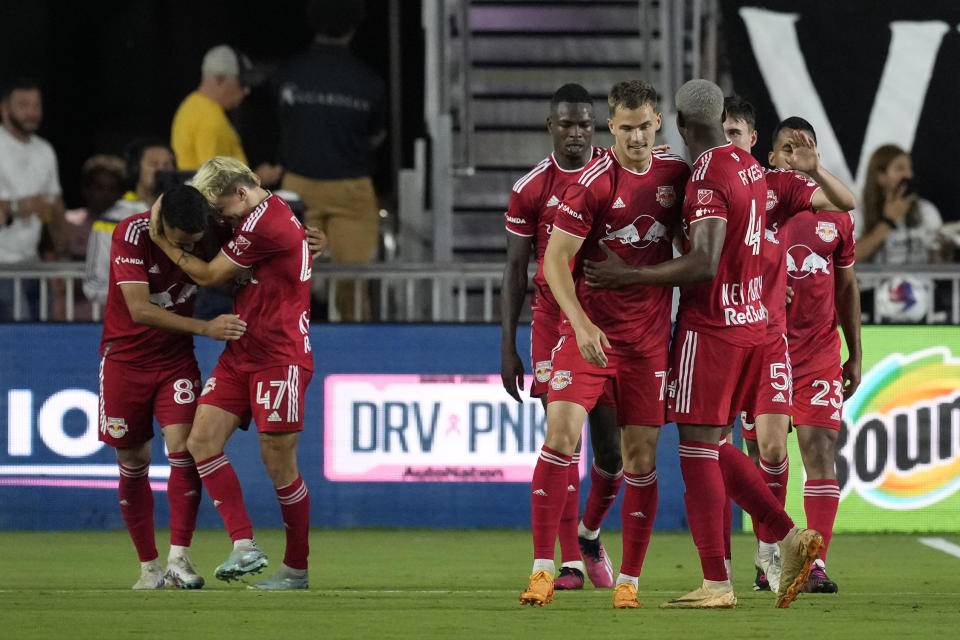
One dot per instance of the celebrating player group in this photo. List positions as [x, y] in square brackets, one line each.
[613, 232]
[158, 260]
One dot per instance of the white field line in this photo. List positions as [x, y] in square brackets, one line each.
[942, 545]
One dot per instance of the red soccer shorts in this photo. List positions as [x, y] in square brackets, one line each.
[544, 336]
[774, 393]
[710, 379]
[130, 397]
[273, 397]
[818, 397]
[544, 339]
[638, 382]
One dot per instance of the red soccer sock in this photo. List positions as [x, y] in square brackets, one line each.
[820, 501]
[547, 498]
[775, 475]
[221, 483]
[183, 492]
[567, 532]
[744, 484]
[704, 498]
[295, 506]
[637, 513]
[136, 506]
[604, 488]
[727, 526]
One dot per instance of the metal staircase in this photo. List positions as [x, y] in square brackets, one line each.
[513, 56]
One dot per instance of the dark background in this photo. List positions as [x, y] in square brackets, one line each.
[845, 45]
[115, 70]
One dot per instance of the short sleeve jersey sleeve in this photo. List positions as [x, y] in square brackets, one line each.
[704, 199]
[582, 200]
[522, 215]
[250, 246]
[789, 193]
[843, 255]
[128, 254]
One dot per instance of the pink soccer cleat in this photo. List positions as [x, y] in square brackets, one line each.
[599, 567]
[570, 579]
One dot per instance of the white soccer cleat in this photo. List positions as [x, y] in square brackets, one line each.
[181, 574]
[767, 559]
[151, 576]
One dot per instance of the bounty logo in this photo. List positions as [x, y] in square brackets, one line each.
[903, 448]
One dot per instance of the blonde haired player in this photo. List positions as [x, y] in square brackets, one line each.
[263, 375]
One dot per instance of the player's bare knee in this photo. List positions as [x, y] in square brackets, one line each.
[134, 457]
[774, 451]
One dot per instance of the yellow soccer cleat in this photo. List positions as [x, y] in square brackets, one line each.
[625, 597]
[798, 551]
[712, 595]
[540, 590]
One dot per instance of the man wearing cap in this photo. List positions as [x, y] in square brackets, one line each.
[201, 129]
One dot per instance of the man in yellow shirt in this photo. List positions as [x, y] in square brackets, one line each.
[201, 129]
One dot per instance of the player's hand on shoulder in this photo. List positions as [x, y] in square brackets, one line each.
[226, 327]
[316, 241]
[661, 147]
[511, 373]
[591, 341]
[610, 273]
[156, 225]
[790, 293]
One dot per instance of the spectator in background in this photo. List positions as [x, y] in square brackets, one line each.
[30, 194]
[201, 129]
[143, 158]
[896, 226]
[332, 118]
[101, 181]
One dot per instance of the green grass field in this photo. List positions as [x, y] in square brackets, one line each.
[457, 584]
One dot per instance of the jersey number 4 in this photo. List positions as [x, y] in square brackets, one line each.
[754, 230]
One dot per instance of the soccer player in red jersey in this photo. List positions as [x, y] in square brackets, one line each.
[529, 221]
[147, 346]
[820, 257]
[265, 373]
[625, 202]
[721, 325]
[766, 420]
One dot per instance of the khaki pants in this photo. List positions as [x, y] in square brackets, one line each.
[347, 211]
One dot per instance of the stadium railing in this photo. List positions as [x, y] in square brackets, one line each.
[453, 292]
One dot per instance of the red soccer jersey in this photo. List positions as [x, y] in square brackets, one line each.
[636, 216]
[533, 204]
[817, 243]
[728, 184]
[135, 258]
[788, 193]
[275, 299]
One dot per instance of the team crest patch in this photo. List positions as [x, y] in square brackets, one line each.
[239, 244]
[827, 230]
[560, 380]
[704, 196]
[666, 196]
[543, 370]
[771, 199]
[210, 386]
[116, 427]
